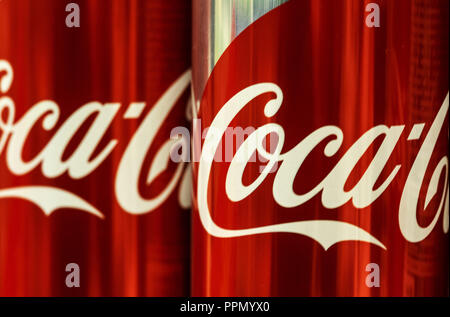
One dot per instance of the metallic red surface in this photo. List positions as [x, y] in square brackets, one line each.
[124, 51]
[332, 70]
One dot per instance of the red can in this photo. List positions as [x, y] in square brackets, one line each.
[90, 202]
[323, 129]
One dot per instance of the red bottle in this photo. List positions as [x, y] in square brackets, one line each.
[339, 186]
[89, 95]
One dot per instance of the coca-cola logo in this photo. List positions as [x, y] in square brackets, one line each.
[82, 162]
[331, 188]
[360, 121]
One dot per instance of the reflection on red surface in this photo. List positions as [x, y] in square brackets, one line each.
[124, 51]
[332, 70]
